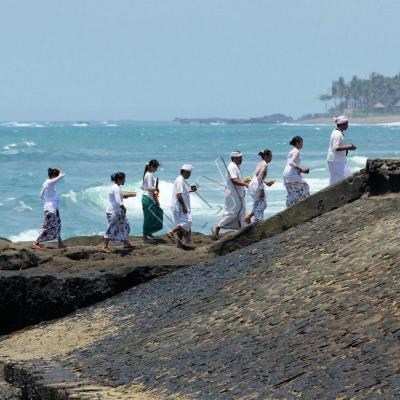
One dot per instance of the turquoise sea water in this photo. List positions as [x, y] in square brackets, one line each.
[90, 152]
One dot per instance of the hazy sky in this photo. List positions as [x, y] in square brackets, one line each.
[157, 59]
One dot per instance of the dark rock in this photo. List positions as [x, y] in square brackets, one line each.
[11, 259]
[384, 176]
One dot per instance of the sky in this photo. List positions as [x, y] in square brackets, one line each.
[161, 59]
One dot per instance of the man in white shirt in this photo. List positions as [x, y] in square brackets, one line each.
[235, 206]
[181, 209]
[337, 153]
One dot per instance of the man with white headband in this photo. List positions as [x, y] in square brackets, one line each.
[337, 153]
[181, 208]
[235, 206]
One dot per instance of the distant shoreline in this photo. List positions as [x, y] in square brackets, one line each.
[281, 119]
[374, 120]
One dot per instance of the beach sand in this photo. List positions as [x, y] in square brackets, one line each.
[375, 120]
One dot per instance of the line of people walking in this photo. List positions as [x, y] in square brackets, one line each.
[234, 215]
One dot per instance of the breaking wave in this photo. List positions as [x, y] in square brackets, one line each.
[16, 124]
[16, 148]
[25, 236]
[359, 160]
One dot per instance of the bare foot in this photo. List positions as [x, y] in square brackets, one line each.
[215, 232]
[128, 245]
[171, 236]
[247, 219]
[37, 246]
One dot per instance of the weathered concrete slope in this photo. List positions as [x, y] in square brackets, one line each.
[381, 176]
[310, 313]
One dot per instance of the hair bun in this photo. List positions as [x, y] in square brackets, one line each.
[261, 153]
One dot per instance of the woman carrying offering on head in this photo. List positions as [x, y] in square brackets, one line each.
[257, 187]
[152, 212]
[297, 188]
[118, 226]
[51, 228]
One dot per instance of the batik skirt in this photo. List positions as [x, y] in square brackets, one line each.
[117, 228]
[152, 216]
[296, 191]
[51, 228]
[259, 206]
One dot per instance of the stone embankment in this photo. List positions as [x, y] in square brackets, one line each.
[311, 312]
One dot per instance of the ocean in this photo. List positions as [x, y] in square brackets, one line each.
[89, 152]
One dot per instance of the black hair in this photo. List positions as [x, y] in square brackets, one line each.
[265, 153]
[295, 140]
[151, 163]
[117, 176]
[53, 172]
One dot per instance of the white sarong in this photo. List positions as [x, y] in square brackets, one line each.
[234, 211]
[337, 171]
[183, 220]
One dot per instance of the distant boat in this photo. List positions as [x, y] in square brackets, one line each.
[80, 124]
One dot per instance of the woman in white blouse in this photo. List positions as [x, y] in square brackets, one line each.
[152, 212]
[51, 228]
[297, 188]
[118, 226]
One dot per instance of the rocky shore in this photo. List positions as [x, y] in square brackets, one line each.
[49, 283]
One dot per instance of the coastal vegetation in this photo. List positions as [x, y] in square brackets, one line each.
[359, 97]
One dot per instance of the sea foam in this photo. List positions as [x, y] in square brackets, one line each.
[359, 160]
[25, 236]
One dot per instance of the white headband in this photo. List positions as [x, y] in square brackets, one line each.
[187, 167]
[341, 119]
[236, 154]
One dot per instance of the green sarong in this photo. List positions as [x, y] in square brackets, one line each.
[153, 216]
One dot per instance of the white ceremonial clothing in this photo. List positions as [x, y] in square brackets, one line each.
[234, 173]
[187, 167]
[115, 200]
[337, 160]
[235, 206]
[336, 141]
[184, 220]
[49, 194]
[258, 177]
[290, 173]
[337, 171]
[341, 119]
[149, 184]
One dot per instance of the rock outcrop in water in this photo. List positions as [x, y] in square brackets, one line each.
[310, 312]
